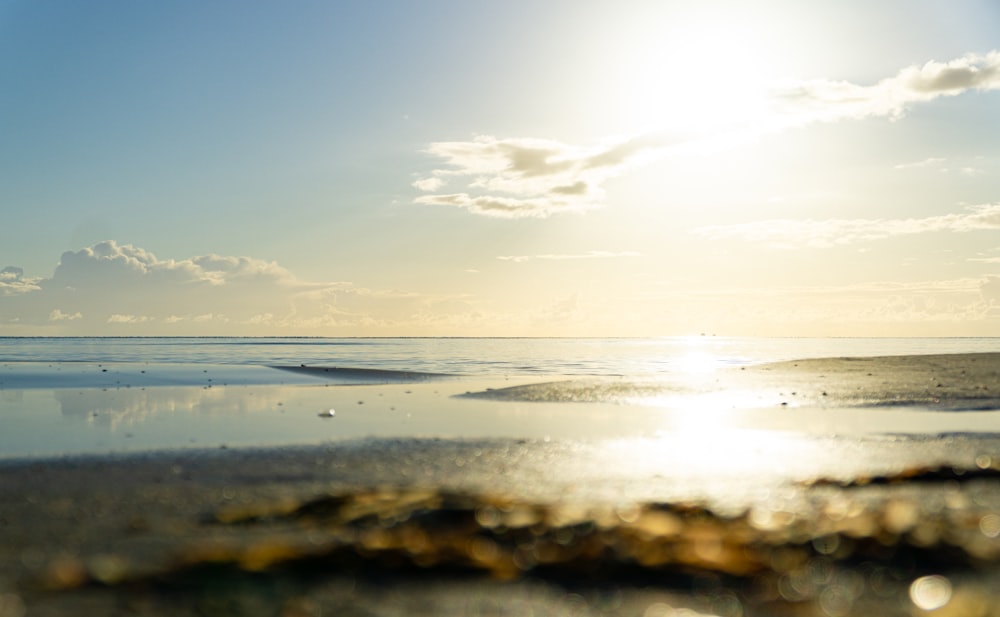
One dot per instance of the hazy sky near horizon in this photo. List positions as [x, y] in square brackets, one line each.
[519, 168]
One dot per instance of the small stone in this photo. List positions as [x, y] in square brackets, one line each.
[327, 413]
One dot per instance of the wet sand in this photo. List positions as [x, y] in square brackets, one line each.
[730, 522]
[959, 382]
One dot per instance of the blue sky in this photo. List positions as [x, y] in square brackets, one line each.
[457, 168]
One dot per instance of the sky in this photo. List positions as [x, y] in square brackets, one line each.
[455, 168]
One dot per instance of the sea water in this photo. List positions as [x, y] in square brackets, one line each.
[62, 396]
[476, 356]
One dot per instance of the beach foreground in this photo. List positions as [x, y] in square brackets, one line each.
[734, 521]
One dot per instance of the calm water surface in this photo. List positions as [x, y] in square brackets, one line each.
[477, 356]
[94, 395]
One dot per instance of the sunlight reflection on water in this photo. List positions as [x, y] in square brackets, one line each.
[725, 454]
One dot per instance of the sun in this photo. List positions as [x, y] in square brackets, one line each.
[704, 76]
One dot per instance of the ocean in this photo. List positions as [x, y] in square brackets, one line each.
[476, 356]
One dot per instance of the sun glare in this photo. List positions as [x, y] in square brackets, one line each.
[698, 362]
[704, 77]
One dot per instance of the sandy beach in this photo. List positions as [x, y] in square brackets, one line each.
[726, 520]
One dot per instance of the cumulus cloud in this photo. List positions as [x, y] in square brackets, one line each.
[109, 263]
[559, 257]
[795, 233]
[527, 177]
[120, 288]
[827, 100]
[57, 315]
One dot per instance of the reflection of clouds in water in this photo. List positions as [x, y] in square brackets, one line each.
[129, 406]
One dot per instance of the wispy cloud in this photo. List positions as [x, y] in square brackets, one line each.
[428, 184]
[951, 307]
[128, 319]
[526, 177]
[795, 233]
[827, 100]
[987, 257]
[934, 162]
[557, 257]
[941, 165]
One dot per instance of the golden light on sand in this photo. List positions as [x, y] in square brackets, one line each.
[711, 455]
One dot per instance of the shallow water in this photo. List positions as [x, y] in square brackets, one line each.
[83, 408]
[56, 408]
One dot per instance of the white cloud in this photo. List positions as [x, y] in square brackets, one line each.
[109, 262]
[794, 233]
[558, 257]
[971, 171]
[504, 207]
[950, 307]
[941, 165]
[827, 100]
[128, 319]
[111, 285]
[57, 315]
[987, 257]
[527, 177]
[428, 184]
[12, 282]
[928, 162]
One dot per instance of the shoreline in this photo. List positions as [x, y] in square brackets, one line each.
[196, 406]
